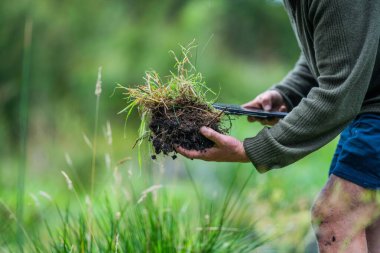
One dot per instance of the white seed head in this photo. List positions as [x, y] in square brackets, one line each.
[45, 195]
[68, 181]
[117, 177]
[98, 87]
[141, 199]
[107, 159]
[87, 140]
[116, 242]
[73, 248]
[109, 133]
[153, 190]
[35, 199]
[68, 160]
[127, 195]
[87, 200]
[88, 239]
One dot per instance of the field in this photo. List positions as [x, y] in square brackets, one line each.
[58, 199]
[70, 180]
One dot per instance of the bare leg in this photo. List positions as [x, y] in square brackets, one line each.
[373, 237]
[340, 215]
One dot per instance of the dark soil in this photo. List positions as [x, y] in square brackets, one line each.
[179, 126]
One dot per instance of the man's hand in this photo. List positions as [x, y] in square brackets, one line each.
[269, 101]
[226, 149]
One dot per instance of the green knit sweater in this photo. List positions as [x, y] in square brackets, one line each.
[336, 78]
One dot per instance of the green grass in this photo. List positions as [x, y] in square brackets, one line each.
[62, 105]
[24, 115]
[186, 82]
[154, 220]
[275, 204]
[126, 212]
[128, 217]
[183, 84]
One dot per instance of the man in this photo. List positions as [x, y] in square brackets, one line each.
[334, 87]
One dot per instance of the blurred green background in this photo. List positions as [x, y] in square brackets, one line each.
[244, 47]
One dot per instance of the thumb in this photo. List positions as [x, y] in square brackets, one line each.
[211, 134]
[253, 103]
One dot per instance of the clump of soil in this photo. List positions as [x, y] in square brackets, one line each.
[173, 111]
[180, 124]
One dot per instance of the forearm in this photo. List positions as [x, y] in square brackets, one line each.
[307, 128]
[345, 53]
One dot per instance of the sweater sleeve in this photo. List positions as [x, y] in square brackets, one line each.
[346, 37]
[297, 84]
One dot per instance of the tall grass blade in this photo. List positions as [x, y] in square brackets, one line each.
[141, 134]
[26, 63]
[98, 91]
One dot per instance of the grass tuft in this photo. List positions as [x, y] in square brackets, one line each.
[173, 109]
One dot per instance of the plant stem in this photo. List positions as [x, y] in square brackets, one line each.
[98, 91]
[24, 98]
[93, 166]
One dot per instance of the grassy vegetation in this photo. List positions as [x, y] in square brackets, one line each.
[243, 49]
[173, 110]
[274, 204]
[155, 220]
[132, 213]
[184, 83]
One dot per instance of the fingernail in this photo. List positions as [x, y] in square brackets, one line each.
[203, 129]
[267, 107]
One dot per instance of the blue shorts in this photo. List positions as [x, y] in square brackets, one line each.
[357, 156]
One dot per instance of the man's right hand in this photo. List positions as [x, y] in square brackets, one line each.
[270, 100]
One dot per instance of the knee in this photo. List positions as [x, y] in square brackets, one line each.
[323, 210]
[324, 224]
[332, 203]
[320, 213]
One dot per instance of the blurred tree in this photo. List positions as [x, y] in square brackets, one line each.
[258, 29]
[11, 43]
[126, 37]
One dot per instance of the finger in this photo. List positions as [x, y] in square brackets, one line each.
[251, 119]
[266, 103]
[270, 122]
[191, 154]
[211, 134]
[263, 122]
[283, 108]
[256, 103]
[206, 155]
[209, 154]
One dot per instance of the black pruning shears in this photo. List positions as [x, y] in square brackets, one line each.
[233, 109]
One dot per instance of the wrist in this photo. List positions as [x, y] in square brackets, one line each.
[242, 154]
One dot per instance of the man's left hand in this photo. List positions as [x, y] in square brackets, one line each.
[226, 149]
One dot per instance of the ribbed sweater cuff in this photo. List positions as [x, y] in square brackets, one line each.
[259, 152]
